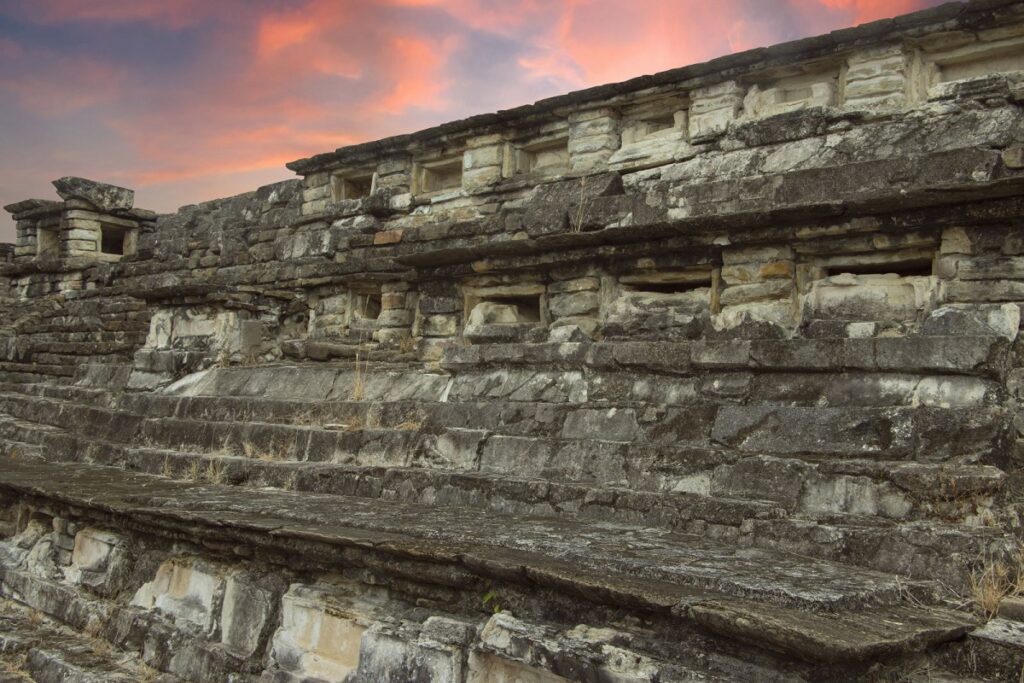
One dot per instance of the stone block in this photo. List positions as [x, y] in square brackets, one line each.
[319, 638]
[979, 320]
[574, 304]
[185, 590]
[245, 613]
[440, 326]
[613, 424]
[100, 195]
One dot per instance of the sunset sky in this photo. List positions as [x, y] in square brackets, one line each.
[187, 100]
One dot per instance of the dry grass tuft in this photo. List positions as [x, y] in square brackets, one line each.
[192, 472]
[581, 211]
[995, 580]
[167, 470]
[273, 453]
[214, 473]
[409, 426]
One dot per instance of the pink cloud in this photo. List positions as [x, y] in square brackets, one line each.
[265, 84]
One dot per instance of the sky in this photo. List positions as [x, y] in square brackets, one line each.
[189, 100]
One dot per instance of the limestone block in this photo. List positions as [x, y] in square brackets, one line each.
[161, 326]
[84, 247]
[488, 668]
[868, 297]
[757, 291]
[1013, 157]
[185, 590]
[316, 206]
[581, 284]
[573, 329]
[318, 638]
[482, 157]
[714, 108]
[100, 195]
[789, 96]
[459, 448]
[316, 192]
[493, 313]
[478, 178]
[93, 548]
[574, 304]
[974, 320]
[440, 326]
[612, 424]
[388, 653]
[877, 78]
[955, 241]
[246, 610]
[778, 313]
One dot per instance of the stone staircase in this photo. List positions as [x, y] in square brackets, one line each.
[676, 488]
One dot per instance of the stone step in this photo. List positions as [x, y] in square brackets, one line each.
[803, 485]
[967, 355]
[926, 434]
[923, 548]
[35, 648]
[810, 609]
[71, 393]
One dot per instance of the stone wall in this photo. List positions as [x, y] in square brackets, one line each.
[709, 375]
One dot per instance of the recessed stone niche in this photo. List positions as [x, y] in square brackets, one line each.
[976, 59]
[656, 119]
[440, 175]
[364, 306]
[48, 242]
[880, 288]
[349, 185]
[505, 313]
[117, 240]
[794, 91]
[662, 303]
[545, 156]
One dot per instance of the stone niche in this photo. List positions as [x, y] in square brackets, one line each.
[222, 334]
[47, 242]
[958, 57]
[652, 132]
[661, 303]
[662, 118]
[505, 313]
[354, 311]
[352, 184]
[869, 293]
[437, 176]
[811, 86]
[543, 154]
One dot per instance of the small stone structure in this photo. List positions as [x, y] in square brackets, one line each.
[709, 375]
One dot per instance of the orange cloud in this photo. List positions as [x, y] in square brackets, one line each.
[277, 33]
[418, 77]
[871, 10]
[257, 83]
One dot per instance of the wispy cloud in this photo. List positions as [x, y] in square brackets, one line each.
[186, 100]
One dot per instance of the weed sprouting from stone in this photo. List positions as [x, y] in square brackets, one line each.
[491, 601]
[214, 473]
[581, 211]
[994, 580]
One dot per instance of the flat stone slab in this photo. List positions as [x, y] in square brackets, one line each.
[101, 195]
[816, 610]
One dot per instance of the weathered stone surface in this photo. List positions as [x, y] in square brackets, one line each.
[99, 195]
[710, 375]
